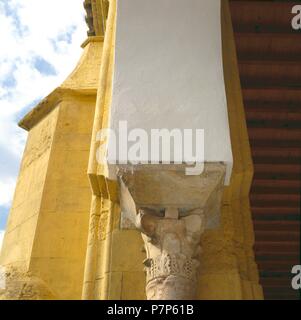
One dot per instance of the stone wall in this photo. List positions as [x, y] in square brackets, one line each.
[46, 238]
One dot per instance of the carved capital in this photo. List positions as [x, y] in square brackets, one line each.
[173, 249]
[171, 210]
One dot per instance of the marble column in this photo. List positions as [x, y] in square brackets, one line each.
[173, 249]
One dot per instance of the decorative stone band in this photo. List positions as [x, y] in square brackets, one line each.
[165, 265]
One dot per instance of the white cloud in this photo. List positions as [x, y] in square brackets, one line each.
[38, 36]
[7, 188]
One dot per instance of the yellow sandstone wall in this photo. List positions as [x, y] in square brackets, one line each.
[119, 272]
[24, 213]
[45, 242]
[58, 253]
[114, 267]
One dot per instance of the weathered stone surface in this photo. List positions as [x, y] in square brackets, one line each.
[160, 186]
[173, 250]
[21, 285]
[173, 211]
[53, 240]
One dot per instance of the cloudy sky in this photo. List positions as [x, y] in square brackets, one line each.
[40, 45]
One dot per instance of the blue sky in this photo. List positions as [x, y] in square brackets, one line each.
[40, 45]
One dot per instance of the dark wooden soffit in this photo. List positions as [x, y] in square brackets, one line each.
[269, 56]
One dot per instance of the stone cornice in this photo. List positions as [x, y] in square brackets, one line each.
[92, 39]
[50, 103]
[82, 81]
